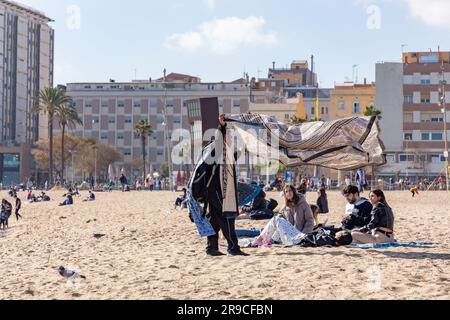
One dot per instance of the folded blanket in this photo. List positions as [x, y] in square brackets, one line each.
[395, 245]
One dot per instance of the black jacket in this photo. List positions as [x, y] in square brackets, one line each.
[322, 203]
[382, 217]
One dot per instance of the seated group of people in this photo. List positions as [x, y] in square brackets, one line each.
[69, 197]
[260, 208]
[366, 222]
[32, 198]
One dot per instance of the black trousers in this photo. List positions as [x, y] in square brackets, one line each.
[227, 225]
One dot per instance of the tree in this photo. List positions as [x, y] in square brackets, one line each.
[296, 120]
[372, 111]
[82, 148]
[67, 117]
[143, 129]
[164, 170]
[50, 99]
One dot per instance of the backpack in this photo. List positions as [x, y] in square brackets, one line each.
[262, 214]
[272, 204]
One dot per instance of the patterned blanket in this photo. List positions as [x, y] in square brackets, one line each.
[345, 144]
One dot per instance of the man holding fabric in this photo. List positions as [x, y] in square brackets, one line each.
[222, 196]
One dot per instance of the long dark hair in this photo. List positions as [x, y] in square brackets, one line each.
[323, 192]
[296, 198]
[380, 194]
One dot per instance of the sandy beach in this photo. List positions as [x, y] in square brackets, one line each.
[150, 251]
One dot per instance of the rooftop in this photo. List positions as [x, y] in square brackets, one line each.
[26, 9]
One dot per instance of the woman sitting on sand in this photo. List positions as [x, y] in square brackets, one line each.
[293, 224]
[381, 227]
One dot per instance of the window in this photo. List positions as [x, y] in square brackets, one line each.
[176, 119]
[104, 136]
[408, 136]
[425, 81]
[120, 104]
[160, 152]
[137, 104]
[127, 153]
[408, 117]
[120, 136]
[425, 136]
[425, 100]
[105, 104]
[390, 158]
[406, 158]
[221, 103]
[437, 136]
[112, 120]
[436, 158]
[356, 107]
[286, 117]
[341, 105]
[128, 120]
[236, 103]
[95, 120]
[153, 103]
[170, 103]
[437, 119]
[408, 99]
[88, 104]
[73, 104]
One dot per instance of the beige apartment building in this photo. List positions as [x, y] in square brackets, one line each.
[351, 100]
[110, 110]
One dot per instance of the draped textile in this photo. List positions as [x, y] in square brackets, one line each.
[344, 144]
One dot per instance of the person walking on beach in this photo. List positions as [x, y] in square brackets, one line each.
[123, 181]
[18, 207]
[4, 217]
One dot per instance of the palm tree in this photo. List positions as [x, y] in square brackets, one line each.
[50, 99]
[143, 129]
[296, 120]
[67, 117]
[372, 111]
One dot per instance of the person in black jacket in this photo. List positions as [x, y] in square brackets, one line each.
[381, 227]
[322, 201]
[218, 219]
[358, 211]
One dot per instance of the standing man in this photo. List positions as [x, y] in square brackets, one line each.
[123, 182]
[361, 180]
[18, 206]
[222, 197]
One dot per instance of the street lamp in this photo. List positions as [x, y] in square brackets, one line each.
[72, 152]
[95, 166]
[166, 133]
[444, 111]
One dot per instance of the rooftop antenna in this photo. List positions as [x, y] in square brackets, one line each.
[355, 73]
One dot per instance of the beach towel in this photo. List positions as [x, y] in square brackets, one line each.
[344, 144]
[395, 245]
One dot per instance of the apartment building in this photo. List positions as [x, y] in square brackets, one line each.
[351, 100]
[413, 120]
[26, 67]
[110, 110]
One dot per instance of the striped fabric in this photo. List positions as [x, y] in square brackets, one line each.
[344, 144]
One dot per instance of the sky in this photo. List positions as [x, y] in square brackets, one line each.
[220, 40]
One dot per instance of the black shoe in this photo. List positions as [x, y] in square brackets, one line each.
[214, 254]
[238, 254]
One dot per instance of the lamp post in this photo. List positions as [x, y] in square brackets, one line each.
[95, 166]
[444, 111]
[166, 133]
[72, 152]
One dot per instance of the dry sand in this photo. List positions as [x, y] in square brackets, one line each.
[150, 251]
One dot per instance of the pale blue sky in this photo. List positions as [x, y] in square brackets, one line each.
[220, 39]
